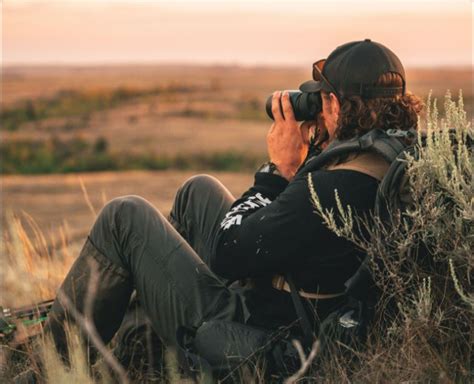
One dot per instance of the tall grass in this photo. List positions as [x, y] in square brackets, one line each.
[31, 272]
[31, 269]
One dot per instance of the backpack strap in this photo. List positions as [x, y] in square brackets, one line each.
[369, 163]
[279, 282]
[308, 334]
[392, 193]
[387, 144]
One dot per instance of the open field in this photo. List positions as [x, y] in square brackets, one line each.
[20, 83]
[154, 117]
[142, 117]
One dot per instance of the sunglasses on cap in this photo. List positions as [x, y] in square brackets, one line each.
[318, 76]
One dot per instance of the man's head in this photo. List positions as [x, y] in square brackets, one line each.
[362, 85]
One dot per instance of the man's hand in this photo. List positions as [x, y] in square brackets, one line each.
[287, 140]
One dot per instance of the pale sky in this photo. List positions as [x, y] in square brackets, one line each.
[247, 32]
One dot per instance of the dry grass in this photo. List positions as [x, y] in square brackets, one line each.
[31, 270]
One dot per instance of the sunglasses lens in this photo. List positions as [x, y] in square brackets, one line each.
[317, 69]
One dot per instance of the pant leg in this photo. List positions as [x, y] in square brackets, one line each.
[199, 207]
[173, 284]
[107, 307]
[138, 349]
[198, 210]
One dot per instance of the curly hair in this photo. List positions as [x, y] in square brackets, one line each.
[358, 116]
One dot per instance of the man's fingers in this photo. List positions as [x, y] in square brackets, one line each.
[276, 108]
[288, 113]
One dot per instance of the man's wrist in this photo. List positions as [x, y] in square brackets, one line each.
[287, 173]
[270, 168]
[269, 184]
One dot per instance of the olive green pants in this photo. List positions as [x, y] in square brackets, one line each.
[132, 246]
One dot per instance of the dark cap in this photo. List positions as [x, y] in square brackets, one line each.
[354, 68]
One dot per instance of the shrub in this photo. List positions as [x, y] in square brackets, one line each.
[430, 335]
[72, 103]
[79, 155]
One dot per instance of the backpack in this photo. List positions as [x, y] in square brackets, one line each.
[219, 348]
[346, 329]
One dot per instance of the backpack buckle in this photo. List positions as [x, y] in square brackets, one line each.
[366, 141]
[400, 134]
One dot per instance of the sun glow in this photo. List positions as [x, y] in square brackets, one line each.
[230, 32]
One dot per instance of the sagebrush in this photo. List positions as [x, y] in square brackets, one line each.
[422, 263]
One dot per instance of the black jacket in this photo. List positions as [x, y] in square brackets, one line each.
[273, 229]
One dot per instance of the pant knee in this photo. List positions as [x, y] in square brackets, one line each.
[198, 183]
[122, 212]
[195, 186]
[126, 203]
[121, 225]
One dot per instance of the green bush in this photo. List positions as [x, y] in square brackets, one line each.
[79, 155]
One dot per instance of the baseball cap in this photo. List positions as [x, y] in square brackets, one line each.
[354, 68]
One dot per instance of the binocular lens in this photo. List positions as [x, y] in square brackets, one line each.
[305, 105]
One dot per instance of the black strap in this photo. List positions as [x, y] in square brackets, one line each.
[301, 312]
[388, 196]
[388, 144]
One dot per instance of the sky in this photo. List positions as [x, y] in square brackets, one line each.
[248, 32]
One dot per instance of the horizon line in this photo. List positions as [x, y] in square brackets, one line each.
[165, 63]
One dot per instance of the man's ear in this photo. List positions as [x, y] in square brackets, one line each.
[335, 105]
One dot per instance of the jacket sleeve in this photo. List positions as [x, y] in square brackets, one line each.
[265, 189]
[266, 230]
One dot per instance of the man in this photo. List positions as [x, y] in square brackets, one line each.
[190, 268]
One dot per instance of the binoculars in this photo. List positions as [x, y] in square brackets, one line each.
[305, 105]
